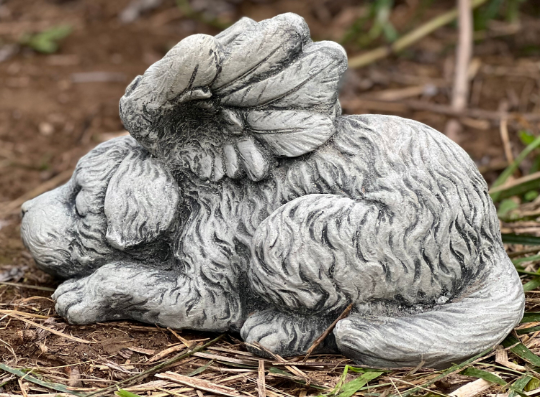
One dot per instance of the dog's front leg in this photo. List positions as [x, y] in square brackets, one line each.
[129, 291]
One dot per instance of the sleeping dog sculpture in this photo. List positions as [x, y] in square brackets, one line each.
[244, 201]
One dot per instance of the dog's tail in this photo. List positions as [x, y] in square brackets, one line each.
[447, 334]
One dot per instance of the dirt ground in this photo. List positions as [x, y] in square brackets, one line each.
[55, 107]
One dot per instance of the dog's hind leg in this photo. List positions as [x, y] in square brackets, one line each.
[292, 269]
[287, 334]
[128, 291]
[315, 254]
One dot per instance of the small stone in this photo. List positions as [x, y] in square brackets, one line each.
[46, 129]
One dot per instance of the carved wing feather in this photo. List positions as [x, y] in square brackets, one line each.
[192, 63]
[228, 35]
[310, 81]
[260, 51]
[290, 133]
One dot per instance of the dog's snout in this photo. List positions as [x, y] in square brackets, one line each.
[26, 207]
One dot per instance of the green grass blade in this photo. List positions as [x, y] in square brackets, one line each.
[125, 393]
[513, 167]
[531, 285]
[517, 187]
[526, 259]
[30, 378]
[525, 331]
[478, 373]
[349, 388]
[530, 317]
[521, 350]
[532, 385]
[523, 239]
[200, 369]
[520, 270]
[518, 386]
[453, 369]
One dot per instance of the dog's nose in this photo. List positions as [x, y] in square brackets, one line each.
[26, 207]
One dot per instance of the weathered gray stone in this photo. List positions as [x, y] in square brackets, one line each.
[243, 201]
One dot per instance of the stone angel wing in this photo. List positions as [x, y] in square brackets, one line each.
[230, 105]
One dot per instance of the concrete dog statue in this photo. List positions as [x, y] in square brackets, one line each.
[244, 201]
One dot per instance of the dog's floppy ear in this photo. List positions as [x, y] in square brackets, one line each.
[141, 201]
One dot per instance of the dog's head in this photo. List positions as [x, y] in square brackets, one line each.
[118, 201]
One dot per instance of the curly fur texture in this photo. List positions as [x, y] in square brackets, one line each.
[244, 206]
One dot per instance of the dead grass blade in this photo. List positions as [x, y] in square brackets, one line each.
[501, 357]
[183, 340]
[23, 314]
[37, 287]
[166, 352]
[200, 384]
[146, 352]
[52, 331]
[408, 39]
[217, 357]
[155, 369]
[471, 389]
[277, 357]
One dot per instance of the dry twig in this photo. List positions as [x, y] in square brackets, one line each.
[200, 384]
[460, 92]
[328, 330]
[408, 39]
[261, 387]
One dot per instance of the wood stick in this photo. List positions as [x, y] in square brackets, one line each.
[506, 140]
[460, 88]
[408, 39]
[261, 384]
[183, 340]
[318, 341]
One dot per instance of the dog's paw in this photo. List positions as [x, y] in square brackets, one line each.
[78, 303]
[278, 332]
